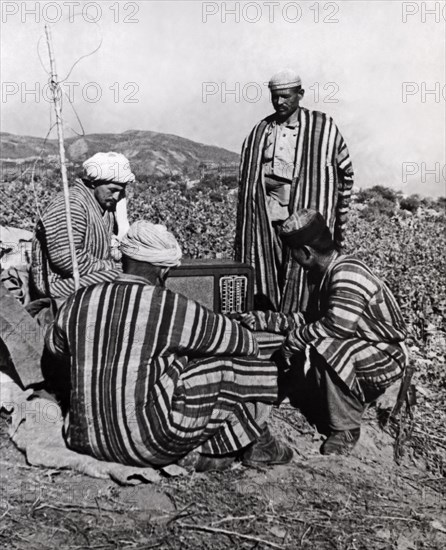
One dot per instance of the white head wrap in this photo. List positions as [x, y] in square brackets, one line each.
[147, 242]
[108, 167]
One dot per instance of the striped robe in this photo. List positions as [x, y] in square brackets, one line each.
[155, 375]
[322, 180]
[355, 324]
[51, 269]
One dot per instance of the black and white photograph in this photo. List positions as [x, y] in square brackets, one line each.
[223, 275]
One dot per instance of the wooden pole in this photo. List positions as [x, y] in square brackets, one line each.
[56, 93]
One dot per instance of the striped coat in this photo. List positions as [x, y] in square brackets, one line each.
[155, 375]
[51, 269]
[322, 180]
[356, 326]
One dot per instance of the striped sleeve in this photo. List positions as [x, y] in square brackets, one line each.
[351, 288]
[276, 322]
[345, 176]
[65, 287]
[205, 333]
[58, 246]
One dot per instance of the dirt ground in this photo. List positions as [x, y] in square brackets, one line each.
[364, 501]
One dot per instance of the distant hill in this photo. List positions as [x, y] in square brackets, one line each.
[149, 153]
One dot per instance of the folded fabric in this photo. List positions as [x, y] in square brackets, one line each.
[36, 429]
[22, 339]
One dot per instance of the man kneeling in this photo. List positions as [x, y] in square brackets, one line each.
[155, 376]
[353, 331]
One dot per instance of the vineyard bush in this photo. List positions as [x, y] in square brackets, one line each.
[411, 203]
[377, 192]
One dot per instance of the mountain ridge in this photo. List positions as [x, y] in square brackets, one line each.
[149, 152]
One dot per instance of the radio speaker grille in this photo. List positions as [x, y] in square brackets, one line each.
[233, 293]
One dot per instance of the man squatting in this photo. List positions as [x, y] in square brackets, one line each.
[353, 330]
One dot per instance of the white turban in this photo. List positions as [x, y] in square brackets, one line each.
[147, 242]
[108, 167]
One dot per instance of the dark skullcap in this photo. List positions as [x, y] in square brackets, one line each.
[306, 228]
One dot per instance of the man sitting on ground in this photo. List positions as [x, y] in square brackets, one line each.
[155, 376]
[353, 329]
[95, 225]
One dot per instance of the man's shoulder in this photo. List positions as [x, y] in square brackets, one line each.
[348, 261]
[257, 132]
[349, 267]
[77, 200]
[263, 123]
[150, 294]
[319, 115]
[100, 292]
[303, 113]
[79, 191]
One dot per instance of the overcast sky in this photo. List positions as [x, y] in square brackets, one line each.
[171, 67]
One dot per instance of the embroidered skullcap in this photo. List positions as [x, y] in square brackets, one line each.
[287, 78]
[147, 242]
[108, 167]
[306, 228]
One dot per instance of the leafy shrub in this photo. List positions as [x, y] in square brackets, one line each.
[411, 203]
[440, 204]
[378, 201]
[408, 255]
[377, 208]
[376, 193]
[231, 182]
[216, 196]
[209, 181]
[428, 202]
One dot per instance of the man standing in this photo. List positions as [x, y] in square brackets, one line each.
[353, 330]
[155, 376]
[293, 159]
[93, 201]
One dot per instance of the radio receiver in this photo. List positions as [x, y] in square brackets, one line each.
[223, 286]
